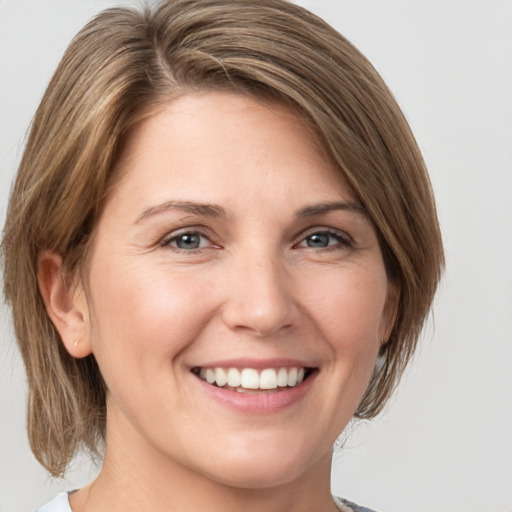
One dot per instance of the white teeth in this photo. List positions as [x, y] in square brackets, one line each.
[268, 379]
[282, 377]
[250, 378]
[220, 377]
[210, 376]
[292, 377]
[233, 378]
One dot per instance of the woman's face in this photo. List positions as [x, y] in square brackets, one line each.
[229, 263]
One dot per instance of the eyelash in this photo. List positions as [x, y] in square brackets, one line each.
[167, 241]
[342, 240]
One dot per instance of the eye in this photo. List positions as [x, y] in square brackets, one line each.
[187, 241]
[324, 240]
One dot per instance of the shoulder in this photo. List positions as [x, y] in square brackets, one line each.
[347, 506]
[59, 504]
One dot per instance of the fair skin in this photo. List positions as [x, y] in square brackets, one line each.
[228, 242]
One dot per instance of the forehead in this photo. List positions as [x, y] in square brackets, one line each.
[208, 146]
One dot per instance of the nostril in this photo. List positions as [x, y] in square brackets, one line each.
[259, 302]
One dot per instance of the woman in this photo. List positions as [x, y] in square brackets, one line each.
[220, 247]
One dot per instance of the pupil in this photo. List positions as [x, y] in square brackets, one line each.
[188, 242]
[318, 240]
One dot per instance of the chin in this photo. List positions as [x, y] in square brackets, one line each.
[260, 476]
[267, 468]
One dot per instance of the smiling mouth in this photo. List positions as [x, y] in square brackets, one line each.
[250, 380]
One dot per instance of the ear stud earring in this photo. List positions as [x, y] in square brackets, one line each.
[77, 341]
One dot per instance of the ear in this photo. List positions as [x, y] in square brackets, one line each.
[390, 311]
[65, 303]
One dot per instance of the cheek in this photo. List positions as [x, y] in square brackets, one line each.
[349, 309]
[142, 311]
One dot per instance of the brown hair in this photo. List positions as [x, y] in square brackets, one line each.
[124, 64]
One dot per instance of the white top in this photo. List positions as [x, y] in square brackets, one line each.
[61, 504]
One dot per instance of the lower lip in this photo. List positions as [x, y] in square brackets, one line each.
[260, 402]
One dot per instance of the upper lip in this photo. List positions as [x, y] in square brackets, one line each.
[257, 363]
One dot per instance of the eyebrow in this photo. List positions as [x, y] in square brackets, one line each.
[202, 209]
[213, 210]
[318, 209]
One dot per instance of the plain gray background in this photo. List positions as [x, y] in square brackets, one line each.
[445, 441]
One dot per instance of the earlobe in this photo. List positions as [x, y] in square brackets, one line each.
[65, 304]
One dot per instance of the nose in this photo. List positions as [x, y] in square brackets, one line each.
[259, 296]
